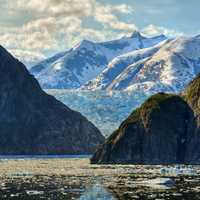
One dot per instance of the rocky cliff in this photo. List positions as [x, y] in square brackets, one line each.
[32, 122]
[159, 132]
[192, 96]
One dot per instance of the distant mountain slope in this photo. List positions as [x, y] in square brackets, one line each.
[169, 67]
[74, 68]
[32, 122]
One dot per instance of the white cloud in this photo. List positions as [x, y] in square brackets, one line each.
[105, 14]
[54, 7]
[54, 25]
[28, 37]
[123, 8]
[152, 30]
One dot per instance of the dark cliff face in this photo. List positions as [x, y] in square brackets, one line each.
[32, 122]
[192, 96]
[156, 133]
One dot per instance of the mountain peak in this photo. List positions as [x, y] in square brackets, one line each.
[3, 51]
[85, 44]
[197, 36]
[160, 36]
[136, 34]
[10, 65]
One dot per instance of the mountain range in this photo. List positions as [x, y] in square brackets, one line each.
[167, 67]
[76, 67]
[156, 64]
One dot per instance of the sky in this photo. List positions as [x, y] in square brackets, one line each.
[35, 29]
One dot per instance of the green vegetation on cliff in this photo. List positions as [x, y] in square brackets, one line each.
[192, 95]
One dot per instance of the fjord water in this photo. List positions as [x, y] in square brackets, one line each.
[105, 109]
[76, 179]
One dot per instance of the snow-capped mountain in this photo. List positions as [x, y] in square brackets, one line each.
[168, 66]
[120, 64]
[74, 68]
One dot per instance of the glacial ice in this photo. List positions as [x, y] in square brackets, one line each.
[105, 109]
[177, 170]
[159, 183]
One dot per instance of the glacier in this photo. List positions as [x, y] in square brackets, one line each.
[105, 109]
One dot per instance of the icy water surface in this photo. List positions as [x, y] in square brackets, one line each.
[105, 109]
[75, 179]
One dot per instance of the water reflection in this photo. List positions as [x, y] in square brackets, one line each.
[97, 192]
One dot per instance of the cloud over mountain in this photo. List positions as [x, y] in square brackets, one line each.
[53, 25]
[48, 26]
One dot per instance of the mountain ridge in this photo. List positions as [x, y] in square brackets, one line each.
[74, 68]
[169, 69]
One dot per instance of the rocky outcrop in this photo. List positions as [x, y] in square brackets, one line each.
[32, 122]
[192, 96]
[158, 132]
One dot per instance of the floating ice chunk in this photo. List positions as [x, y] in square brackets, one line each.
[25, 173]
[15, 195]
[34, 192]
[158, 183]
[177, 170]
